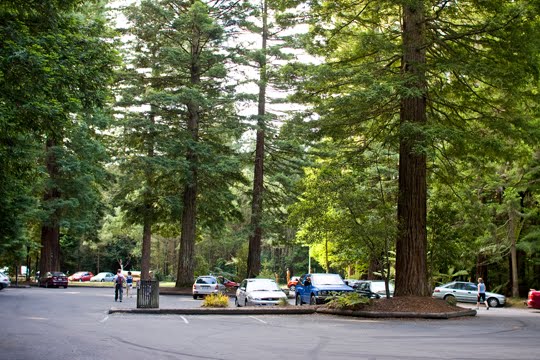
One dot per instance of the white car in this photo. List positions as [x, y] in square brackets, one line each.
[4, 280]
[258, 292]
[206, 285]
[103, 277]
[464, 291]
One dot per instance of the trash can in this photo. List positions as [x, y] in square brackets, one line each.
[148, 294]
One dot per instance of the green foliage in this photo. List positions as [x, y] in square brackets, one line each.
[216, 301]
[348, 301]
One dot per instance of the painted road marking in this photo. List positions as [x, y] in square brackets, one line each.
[253, 317]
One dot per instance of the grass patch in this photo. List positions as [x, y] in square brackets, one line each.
[515, 302]
[216, 301]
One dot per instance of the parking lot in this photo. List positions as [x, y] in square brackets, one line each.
[74, 323]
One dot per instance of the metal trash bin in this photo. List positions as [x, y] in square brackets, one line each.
[148, 294]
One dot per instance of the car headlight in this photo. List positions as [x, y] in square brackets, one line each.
[323, 292]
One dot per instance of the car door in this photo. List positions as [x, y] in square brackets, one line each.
[241, 293]
[470, 292]
[306, 293]
[458, 290]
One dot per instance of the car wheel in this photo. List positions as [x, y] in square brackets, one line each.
[493, 302]
[245, 303]
[312, 300]
[236, 302]
[298, 300]
[65, 286]
[446, 297]
[292, 288]
[194, 297]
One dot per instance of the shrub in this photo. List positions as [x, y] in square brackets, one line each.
[283, 302]
[451, 300]
[216, 300]
[348, 301]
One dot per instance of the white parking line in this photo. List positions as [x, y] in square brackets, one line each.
[253, 317]
[103, 320]
[185, 320]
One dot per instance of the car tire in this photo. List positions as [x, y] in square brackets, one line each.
[312, 300]
[47, 285]
[65, 286]
[245, 303]
[292, 288]
[298, 300]
[194, 297]
[493, 302]
[236, 302]
[446, 297]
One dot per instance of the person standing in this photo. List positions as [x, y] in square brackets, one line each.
[119, 281]
[129, 285]
[481, 294]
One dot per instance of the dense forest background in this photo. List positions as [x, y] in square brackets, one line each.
[245, 138]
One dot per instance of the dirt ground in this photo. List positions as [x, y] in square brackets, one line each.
[412, 304]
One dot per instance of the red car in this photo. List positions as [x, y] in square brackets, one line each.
[533, 300]
[228, 283]
[81, 276]
[54, 279]
[293, 282]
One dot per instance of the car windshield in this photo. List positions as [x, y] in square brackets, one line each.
[379, 287]
[262, 286]
[327, 279]
[206, 281]
[57, 273]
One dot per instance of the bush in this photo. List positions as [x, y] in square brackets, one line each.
[348, 301]
[283, 302]
[451, 300]
[216, 300]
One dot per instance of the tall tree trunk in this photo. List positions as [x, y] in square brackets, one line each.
[186, 256]
[411, 246]
[255, 238]
[514, 228]
[50, 229]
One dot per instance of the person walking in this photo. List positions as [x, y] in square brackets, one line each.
[129, 285]
[118, 281]
[481, 294]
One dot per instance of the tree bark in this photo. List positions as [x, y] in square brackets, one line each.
[186, 256]
[255, 238]
[411, 246]
[50, 229]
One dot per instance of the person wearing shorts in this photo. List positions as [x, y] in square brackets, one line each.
[481, 294]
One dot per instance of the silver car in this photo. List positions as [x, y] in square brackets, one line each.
[4, 280]
[206, 285]
[464, 291]
[258, 292]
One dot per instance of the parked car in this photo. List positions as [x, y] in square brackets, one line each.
[228, 283]
[4, 280]
[81, 276]
[373, 289]
[258, 292]
[464, 291]
[317, 288]
[352, 282]
[103, 277]
[293, 282]
[206, 285]
[533, 299]
[54, 279]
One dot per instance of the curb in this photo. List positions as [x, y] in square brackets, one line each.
[305, 310]
[401, 315]
[220, 311]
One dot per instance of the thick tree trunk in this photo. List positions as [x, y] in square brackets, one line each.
[186, 256]
[411, 246]
[50, 229]
[255, 238]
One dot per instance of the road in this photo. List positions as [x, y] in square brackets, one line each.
[74, 323]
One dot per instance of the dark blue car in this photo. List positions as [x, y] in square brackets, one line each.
[317, 288]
